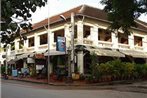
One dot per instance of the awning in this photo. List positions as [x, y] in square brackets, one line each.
[22, 56]
[135, 54]
[11, 62]
[106, 52]
[54, 52]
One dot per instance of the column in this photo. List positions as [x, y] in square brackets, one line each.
[37, 42]
[51, 40]
[80, 58]
[25, 45]
[131, 41]
[94, 35]
[67, 35]
[144, 43]
[114, 40]
[80, 32]
[16, 46]
[80, 62]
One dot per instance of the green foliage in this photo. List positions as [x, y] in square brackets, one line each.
[118, 70]
[122, 13]
[15, 15]
[2, 69]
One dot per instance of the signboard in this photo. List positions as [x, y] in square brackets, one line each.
[14, 73]
[30, 60]
[39, 56]
[61, 44]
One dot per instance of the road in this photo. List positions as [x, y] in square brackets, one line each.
[11, 89]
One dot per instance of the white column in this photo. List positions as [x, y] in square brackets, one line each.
[94, 35]
[24, 64]
[131, 41]
[25, 45]
[144, 43]
[51, 40]
[37, 42]
[16, 45]
[80, 32]
[114, 40]
[67, 35]
[80, 57]
[80, 62]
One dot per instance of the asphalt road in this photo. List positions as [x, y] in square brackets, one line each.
[28, 90]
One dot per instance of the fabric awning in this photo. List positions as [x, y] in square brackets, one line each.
[54, 52]
[134, 53]
[11, 62]
[107, 52]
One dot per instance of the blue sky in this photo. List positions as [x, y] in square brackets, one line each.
[59, 6]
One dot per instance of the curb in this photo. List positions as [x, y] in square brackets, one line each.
[72, 84]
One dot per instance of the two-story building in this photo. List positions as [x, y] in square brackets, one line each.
[90, 34]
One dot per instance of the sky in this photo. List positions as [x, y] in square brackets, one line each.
[55, 7]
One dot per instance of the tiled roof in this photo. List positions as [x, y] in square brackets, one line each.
[84, 10]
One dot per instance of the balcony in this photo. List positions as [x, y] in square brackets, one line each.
[123, 46]
[19, 51]
[104, 44]
[30, 49]
[12, 52]
[138, 47]
[43, 46]
[85, 41]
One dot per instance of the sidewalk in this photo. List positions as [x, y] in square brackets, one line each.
[137, 83]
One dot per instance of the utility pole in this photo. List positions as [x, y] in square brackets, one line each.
[48, 34]
[72, 42]
[6, 66]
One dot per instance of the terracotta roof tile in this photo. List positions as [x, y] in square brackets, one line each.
[83, 10]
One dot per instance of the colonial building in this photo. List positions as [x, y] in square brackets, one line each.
[90, 34]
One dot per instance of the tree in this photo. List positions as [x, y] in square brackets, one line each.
[15, 17]
[123, 13]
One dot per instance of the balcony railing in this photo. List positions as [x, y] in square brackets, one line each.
[43, 46]
[12, 52]
[30, 49]
[123, 46]
[138, 47]
[105, 44]
[85, 41]
[20, 51]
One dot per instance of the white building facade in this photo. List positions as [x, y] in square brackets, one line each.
[90, 31]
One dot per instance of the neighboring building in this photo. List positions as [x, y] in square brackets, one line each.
[90, 35]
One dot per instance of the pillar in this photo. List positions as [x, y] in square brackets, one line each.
[80, 62]
[80, 32]
[144, 40]
[131, 41]
[114, 40]
[94, 35]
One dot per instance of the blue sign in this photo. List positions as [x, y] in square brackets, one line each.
[14, 73]
[61, 44]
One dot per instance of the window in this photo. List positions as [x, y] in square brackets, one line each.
[86, 31]
[58, 33]
[21, 44]
[122, 38]
[43, 39]
[75, 32]
[137, 41]
[104, 35]
[13, 46]
[31, 42]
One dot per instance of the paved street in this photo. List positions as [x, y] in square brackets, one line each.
[16, 89]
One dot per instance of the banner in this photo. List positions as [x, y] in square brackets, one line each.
[61, 44]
